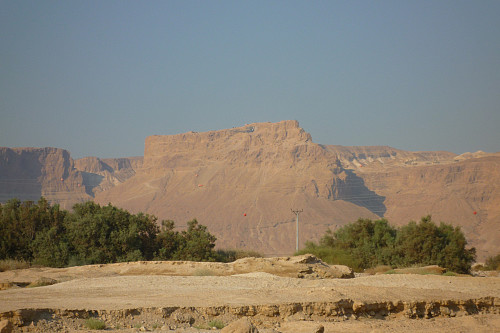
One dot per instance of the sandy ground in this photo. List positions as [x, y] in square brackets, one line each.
[91, 288]
[119, 292]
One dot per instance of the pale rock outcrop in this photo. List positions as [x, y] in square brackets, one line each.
[303, 266]
[243, 325]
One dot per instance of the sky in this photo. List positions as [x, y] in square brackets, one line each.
[98, 77]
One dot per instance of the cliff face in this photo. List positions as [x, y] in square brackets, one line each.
[28, 173]
[459, 189]
[465, 193]
[102, 174]
[256, 144]
[243, 182]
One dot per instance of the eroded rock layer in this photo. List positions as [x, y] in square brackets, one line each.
[29, 173]
[243, 183]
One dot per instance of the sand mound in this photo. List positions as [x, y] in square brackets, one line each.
[305, 266]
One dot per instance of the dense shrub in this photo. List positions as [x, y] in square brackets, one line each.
[95, 324]
[493, 263]
[426, 243]
[232, 255]
[22, 222]
[12, 264]
[45, 235]
[365, 243]
[108, 234]
[196, 244]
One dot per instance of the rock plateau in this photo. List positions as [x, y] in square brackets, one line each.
[243, 182]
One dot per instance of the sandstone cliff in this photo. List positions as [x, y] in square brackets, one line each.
[464, 193]
[28, 173]
[102, 174]
[242, 183]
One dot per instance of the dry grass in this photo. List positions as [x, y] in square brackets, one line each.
[425, 270]
[378, 270]
[211, 325]
[94, 324]
[41, 282]
[11, 264]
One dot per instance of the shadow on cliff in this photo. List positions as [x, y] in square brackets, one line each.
[91, 180]
[354, 190]
[19, 176]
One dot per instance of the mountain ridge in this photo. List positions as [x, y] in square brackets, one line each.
[243, 182]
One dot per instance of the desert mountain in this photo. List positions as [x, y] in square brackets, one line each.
[243, 182]
[102, 174]
[28, 173]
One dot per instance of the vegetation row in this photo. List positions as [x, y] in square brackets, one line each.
[43, 234]
[366, 244]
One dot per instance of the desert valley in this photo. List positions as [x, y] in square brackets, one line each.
[243, 182]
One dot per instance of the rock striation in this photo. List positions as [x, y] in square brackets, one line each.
[243, 182]
[29, 173]
[102, 174]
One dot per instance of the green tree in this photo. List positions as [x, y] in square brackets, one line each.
[369, 243]
[493, 263]
[366, 243]
[109, 234]
[417, 243]
[196, 244]
[10, 235]
[454, 255]
[425, 243]
[50, 246]
[168, 241]
[22, 222]
[91, 234]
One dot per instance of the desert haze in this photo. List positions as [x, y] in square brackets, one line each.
[243, 182]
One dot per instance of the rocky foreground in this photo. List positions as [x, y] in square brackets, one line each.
[295, 294]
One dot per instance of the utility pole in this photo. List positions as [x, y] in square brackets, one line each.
[297, 212]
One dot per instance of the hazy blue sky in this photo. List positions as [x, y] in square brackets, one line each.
[98, 77]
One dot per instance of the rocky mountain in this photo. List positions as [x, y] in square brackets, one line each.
[28, 173]
[461, 192]
[243, 182]
[102, 174]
